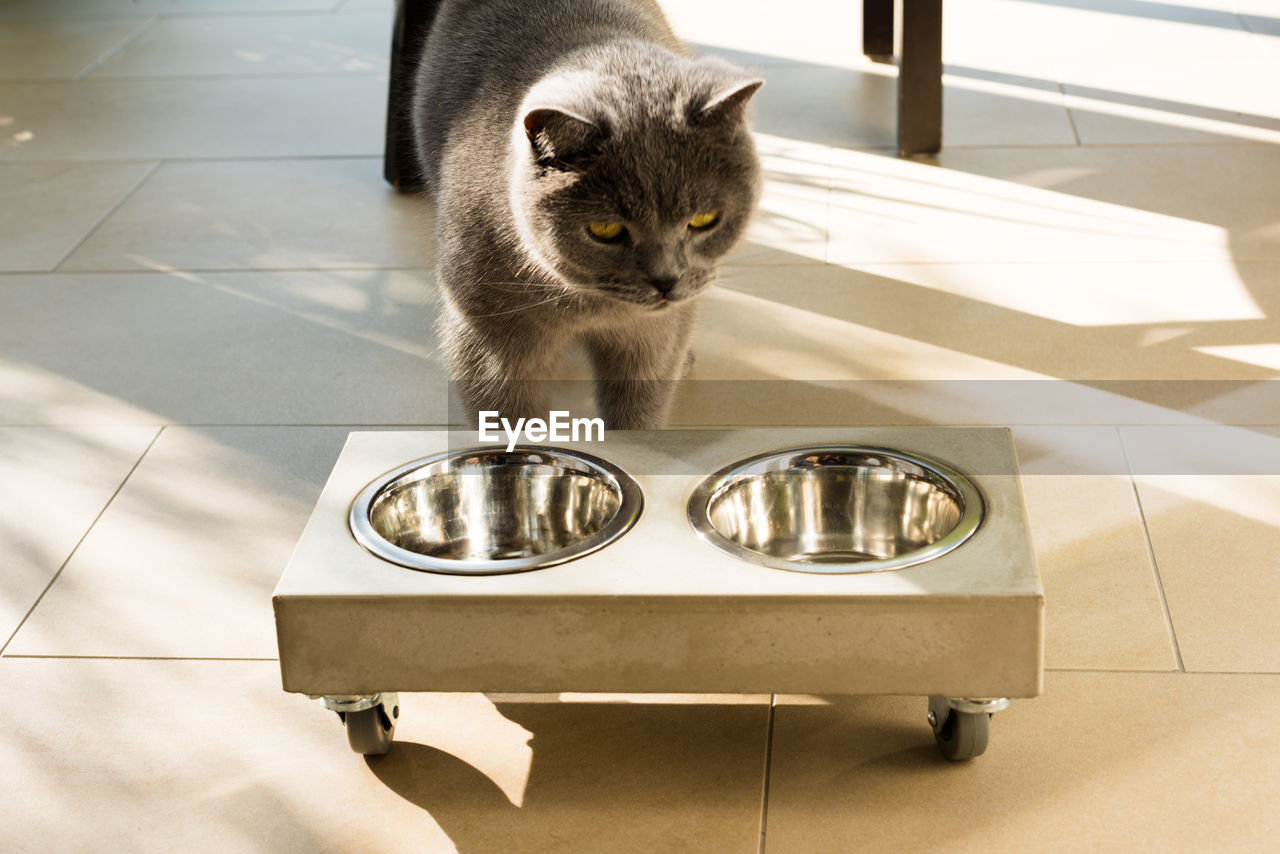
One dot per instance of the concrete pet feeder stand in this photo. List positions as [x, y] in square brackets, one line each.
[816, 561]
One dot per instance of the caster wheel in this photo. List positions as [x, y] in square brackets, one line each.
[960, 735]
[370, 731]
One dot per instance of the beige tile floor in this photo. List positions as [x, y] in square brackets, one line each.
[204, 285]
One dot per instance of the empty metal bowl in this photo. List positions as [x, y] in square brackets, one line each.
[836, 509]
[488, 511]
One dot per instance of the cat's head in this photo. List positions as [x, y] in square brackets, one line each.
[633, 184]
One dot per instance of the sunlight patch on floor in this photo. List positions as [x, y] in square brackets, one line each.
[1262, 355]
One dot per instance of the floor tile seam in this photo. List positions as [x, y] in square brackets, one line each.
[1151, 553]
[1019, 146]
[76, 548]
[1116, 670]
[392, 424]
[1136, 672]
[319, 12]
[861, 265]
[86, 657]
[110, 213]
[1208, 143]
[1069, 262]
[243, 158]
[76, 15]
[348, 268]
[81, 82]
[444, 425]
[269, 13]
[215, 76]
[417, 425]
[95, 423]
[170, 271]
[734, 266]
[855, 263]
[949, 424]
[182, 15]
[146, 25]
[768, 768]
[855, 149]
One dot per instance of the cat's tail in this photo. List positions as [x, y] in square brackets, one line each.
[408, 39]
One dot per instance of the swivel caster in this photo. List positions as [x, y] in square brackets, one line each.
[961, 727]
[370, 720]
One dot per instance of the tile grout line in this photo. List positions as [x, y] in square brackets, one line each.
[390, 425]
[853, 266]
[97, 225]
[210, 78]
[80, 542]
[1071, 119]
[146, 25]
[861, 267]
[137, 657]
[1151, 552]
[134, 271]
[872, 150]
[230, 158]
[173, 15]
[768, 767]
[1131, 672]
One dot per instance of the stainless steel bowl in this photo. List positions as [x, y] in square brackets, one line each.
[489, 511]
[836, 509]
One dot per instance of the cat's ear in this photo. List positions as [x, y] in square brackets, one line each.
[728, 105]
[557, 134]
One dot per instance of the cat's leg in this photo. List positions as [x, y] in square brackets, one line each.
[494, 368]
[637, 367]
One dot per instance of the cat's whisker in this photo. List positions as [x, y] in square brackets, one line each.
[521, 307]
[524, 287]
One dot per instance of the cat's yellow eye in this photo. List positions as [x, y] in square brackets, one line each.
[704, 220]
[605, 230]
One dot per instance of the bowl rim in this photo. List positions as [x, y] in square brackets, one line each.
[630, 506]
[973, 511]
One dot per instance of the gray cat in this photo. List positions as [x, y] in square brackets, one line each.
[588, 176]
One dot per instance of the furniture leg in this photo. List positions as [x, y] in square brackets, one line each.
[877, 29]
[920, 78]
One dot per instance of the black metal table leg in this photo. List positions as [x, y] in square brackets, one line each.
[920, 78]
[408, 37]
[877, 28]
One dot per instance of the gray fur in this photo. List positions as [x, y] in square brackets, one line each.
[532, 119]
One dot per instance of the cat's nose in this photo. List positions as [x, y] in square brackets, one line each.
[665, 285]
